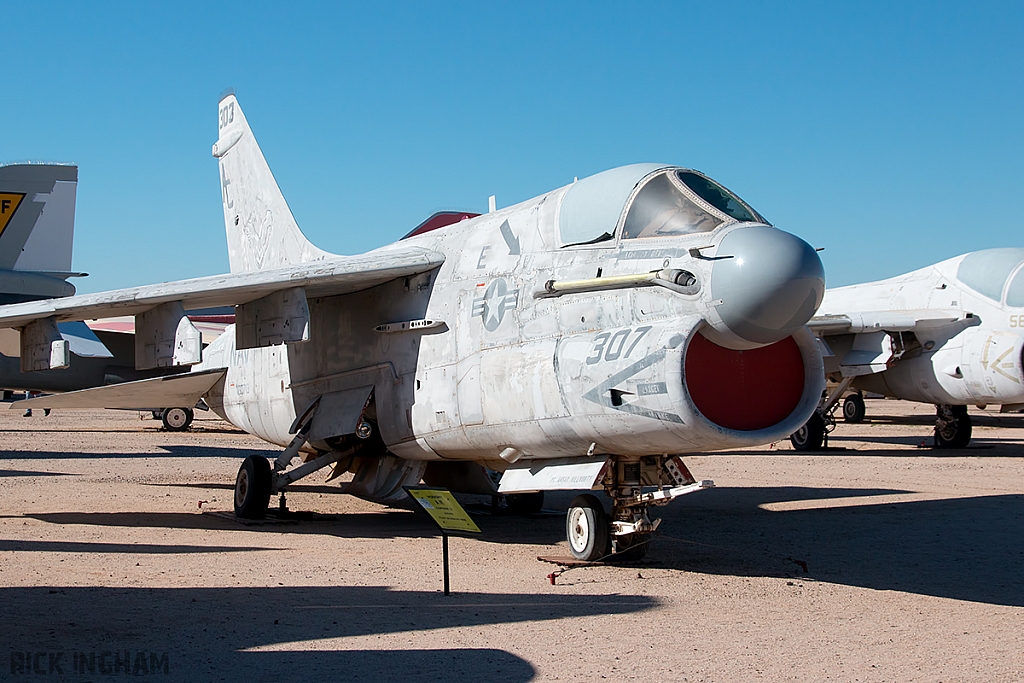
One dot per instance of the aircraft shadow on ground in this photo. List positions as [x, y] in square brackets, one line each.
[1007, 420]
[979, 447]
[384, 524]
[167, 451]
[959, 548]
[205, 630]
[27, 473]
[12, 545]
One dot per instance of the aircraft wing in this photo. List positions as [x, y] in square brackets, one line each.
[328, 277]
[873, 350]
[147, 394]
[906, 320]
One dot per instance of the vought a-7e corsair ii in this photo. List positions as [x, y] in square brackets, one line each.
[583, 339]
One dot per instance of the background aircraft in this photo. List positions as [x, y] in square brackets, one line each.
[949, 334]
[37, 222]
[578, 340]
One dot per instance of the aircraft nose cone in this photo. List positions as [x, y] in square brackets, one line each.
[771, 286]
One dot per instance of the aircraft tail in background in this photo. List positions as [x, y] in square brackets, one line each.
[37, 229]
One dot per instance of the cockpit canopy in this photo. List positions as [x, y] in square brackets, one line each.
[648, 200]
[987, 271]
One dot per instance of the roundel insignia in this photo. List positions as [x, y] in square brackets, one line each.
[492, 305]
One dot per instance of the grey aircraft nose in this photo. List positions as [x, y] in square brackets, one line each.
[770, 287]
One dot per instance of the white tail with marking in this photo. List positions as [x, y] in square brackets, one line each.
[261, 230]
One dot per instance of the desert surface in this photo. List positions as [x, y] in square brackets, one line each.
[881, 559]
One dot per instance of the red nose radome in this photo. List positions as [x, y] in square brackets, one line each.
[744, 390]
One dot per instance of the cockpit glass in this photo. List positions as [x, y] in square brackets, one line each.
[1015, 294]
[987, 271]
[718, 197]
[662, 209]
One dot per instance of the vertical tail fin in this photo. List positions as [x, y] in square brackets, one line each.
[261, 230]
[37, 217]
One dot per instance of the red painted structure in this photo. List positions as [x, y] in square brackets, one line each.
[441, 219]
[744, 390]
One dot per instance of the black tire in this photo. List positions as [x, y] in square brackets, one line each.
[955, 432]
[632, 548]
[810, 436]
[252, 488]
[587, 528]
[853, 409]
[177, 419]
[525, 503]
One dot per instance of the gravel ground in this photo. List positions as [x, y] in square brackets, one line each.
[878, 560]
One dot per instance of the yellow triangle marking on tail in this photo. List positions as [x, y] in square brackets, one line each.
[9, 203]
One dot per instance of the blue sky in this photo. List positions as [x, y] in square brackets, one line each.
[888, 133]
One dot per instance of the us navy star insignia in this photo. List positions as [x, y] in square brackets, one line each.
[492, 305]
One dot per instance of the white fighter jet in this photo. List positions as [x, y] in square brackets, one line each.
[582, 339]
[949, 334]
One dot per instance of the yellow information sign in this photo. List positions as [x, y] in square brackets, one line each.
[9, 202]
[442, 507]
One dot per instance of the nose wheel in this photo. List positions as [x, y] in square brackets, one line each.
[634, 486]
[587, 528]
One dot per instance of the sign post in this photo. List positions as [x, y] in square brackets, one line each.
[442, 508]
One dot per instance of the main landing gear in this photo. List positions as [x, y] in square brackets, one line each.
[952, 427]
[177, 419]
[813, 435]
[625, 535]
[377, 474]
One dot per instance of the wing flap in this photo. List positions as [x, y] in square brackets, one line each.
[147, 394]
[329, 277]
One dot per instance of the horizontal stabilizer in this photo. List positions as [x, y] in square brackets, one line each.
[147, 394]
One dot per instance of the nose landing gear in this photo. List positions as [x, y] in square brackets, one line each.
[625, 535]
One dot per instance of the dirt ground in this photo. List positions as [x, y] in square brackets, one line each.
[879, 560]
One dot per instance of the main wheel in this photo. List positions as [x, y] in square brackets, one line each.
[525, 503]
[853, 408]
[587, 528]
[952, 427]
[177, 419]
[811, 435]
[252, 488]
[632, 548]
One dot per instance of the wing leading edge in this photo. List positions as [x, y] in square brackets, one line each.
[329, 277]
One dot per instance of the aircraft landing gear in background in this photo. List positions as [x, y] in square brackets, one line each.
[177, 419]
[626, 534]
[952, 427]
[252, 488]
[525, 503]
[853, 409]
[811, 436]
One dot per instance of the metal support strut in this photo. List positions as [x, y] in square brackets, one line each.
[624, 483]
